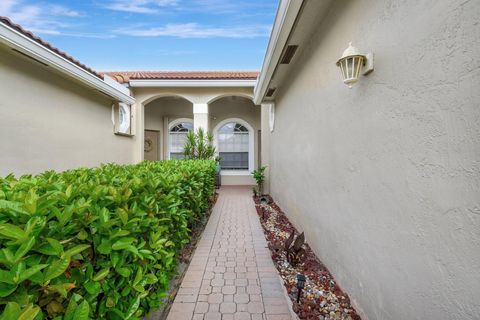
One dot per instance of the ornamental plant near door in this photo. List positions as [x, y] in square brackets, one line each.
[199, 145]
[96, 243]
[259, 176]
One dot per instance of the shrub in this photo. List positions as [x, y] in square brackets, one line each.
[96, 243]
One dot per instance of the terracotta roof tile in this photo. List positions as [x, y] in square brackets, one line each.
[47, 45]
[125, 76]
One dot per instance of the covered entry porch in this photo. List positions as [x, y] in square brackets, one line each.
[168, 109]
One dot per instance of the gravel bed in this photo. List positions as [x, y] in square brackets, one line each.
[322, 298]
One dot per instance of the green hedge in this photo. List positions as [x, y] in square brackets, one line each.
[96, 243]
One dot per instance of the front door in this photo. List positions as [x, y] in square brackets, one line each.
[151, 146]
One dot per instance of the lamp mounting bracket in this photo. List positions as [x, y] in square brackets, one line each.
[368, 64]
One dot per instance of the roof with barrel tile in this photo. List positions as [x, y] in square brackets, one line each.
[125, 76]
[6, 21]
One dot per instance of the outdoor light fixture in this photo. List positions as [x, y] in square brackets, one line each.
[263, 202]
[352, 63]
[300, 285]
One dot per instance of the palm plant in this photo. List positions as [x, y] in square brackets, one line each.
[199, 145]
[259, 176]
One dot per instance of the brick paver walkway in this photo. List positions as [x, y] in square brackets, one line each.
[231, 276]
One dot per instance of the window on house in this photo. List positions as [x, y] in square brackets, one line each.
[233, 146]
[178, 136]
[122, 119]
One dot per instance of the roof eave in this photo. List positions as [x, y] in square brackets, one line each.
[284, 23]
[194, 83]
[16, 40]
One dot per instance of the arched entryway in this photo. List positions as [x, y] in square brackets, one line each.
[235, 124]
[235, 141]
[163, 116]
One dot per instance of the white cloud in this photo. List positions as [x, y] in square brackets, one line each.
[237, 7]
[140, 6]
[57, 10]
[194, 30]
[41, 19]
[176, 52]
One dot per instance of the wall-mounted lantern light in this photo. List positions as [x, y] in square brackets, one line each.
[352, 63]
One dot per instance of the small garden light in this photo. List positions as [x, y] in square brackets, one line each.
[352, 63]
[263, 201]
[300, 285]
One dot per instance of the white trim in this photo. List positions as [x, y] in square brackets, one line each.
[271, 114]
[251, 142]
[172, 124]
[284, 22]
[235, 173]
[231, 94]
[14, 39]
[120, 87]
[192, 83]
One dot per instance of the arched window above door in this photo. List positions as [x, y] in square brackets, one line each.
[177, 137]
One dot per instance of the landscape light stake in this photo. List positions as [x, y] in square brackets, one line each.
[300, 285]
[263, 202]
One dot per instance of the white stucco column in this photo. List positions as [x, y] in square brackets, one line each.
[200, 116]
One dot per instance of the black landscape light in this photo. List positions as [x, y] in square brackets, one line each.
[263, 200]
[300, 285]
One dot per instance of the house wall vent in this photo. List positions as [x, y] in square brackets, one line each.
[288, 54]
[270, 92]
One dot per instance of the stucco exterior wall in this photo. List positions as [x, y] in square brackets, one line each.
[384, 178]
[50, 122]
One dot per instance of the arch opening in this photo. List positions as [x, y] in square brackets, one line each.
[160, 114]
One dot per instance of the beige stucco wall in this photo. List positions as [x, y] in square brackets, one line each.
[50, 122]
[384, 178]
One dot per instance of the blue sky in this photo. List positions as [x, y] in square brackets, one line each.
[152, 34]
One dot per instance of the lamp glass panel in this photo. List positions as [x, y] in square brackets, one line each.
[358, 66]
[343, 67]
[349, 67]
